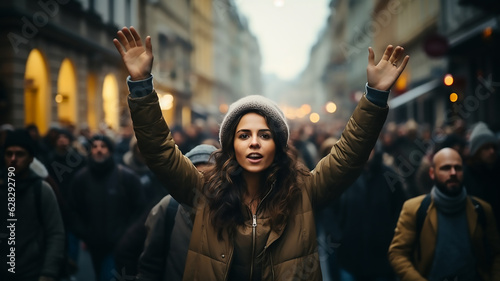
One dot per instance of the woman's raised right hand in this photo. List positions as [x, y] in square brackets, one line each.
[138, 58]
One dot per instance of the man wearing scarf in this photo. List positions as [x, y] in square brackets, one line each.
[458, 239]
[105, 199]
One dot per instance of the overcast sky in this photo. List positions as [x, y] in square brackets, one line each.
[286, 30]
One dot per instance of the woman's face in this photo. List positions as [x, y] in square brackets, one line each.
[253, 143]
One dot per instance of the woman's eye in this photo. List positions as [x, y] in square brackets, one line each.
[266, 136]
[243, 136]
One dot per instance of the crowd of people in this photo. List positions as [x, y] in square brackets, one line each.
[90, 177]
[258, 198]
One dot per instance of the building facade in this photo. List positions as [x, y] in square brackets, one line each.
[59, 64]
[472, 32]
[169, 25]
[60, 67]
[237, 57]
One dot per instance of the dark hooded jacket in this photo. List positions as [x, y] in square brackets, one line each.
[105, 200]
[39, 231]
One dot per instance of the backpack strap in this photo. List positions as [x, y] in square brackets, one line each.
[421, 214]
[481, 217]
[170, 213]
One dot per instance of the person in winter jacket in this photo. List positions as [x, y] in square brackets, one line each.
[105, 199]
[33, 249]
[255, 208]
[446, 235]
[483, 167]
[363, 221]
[169, 227]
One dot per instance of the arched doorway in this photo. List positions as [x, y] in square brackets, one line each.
[110, 102]
[37, 99]
[92, 108]
[66, 97]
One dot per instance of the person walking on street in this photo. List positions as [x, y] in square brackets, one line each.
[105, 198]
[36, 252]
[483, 167]
[169, 227]
[446, 235]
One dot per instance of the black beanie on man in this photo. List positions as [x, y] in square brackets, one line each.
[20, 137]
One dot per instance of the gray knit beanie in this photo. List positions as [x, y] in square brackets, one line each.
[480, 136]
[273, 114]
[201, 154]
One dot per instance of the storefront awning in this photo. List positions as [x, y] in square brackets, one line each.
[472, 31]
[414, 93]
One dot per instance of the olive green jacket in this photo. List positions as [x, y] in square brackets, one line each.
[403, 252]
[290, 253]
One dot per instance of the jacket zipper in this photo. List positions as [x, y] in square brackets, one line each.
[254, 232]
[254, 226]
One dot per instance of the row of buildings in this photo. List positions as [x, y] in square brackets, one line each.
[59, 64]
[456, 37]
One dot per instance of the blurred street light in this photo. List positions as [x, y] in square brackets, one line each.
[223, 108]
[453, 97]
[306, 108]
[314, 117]
[166, 102]
[448, 79]
[487, 32]
[331, 107]
[59, 98]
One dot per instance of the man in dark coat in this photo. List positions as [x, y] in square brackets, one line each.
[483, 167]
[33, 250]
[105, 198]
[364, 218]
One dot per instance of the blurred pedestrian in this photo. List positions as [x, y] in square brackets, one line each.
[367, 215]
[63, 163]
[41, 150]
[105, 198]
[168, 227]
[483, 167]
[36, 251]
[446, 235]
[151, 187]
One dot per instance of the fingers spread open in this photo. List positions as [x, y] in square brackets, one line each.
[371, 56]
[130, 38]
[403, 64]
[149, 47]
[119, 47]
[136, 36]
[396, 54]
[122, 39]
[387, 53]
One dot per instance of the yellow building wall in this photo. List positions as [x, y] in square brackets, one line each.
[37, 98]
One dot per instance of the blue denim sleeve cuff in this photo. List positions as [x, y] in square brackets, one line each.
[376, 96]
[140, 88]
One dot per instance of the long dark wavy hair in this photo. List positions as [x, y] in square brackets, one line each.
[225, 185]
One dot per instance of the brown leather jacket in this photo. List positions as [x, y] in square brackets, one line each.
[289, 253]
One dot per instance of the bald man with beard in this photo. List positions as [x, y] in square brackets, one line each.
[453, 242]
